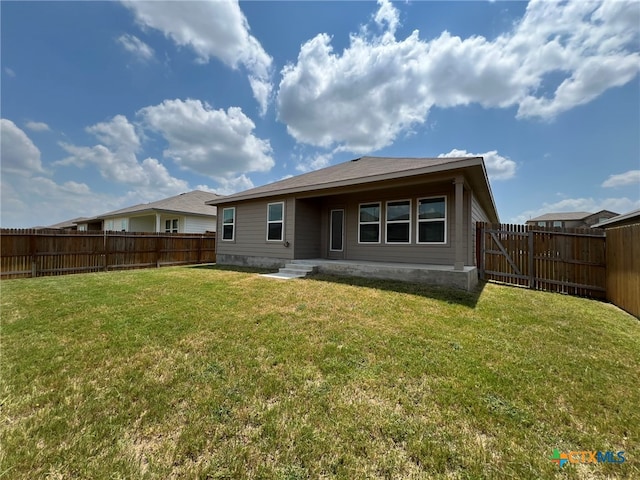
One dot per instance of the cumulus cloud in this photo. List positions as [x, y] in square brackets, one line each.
[590, 204]
[19, 154]
[37, 126]
[136, 47]
[498, 167]
[28, 197]
[116, 159]
[316, 162]
[211, 142]
[212, 29]
[362, 98]
[632, 177]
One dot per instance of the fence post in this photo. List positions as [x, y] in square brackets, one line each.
[105, 249]
[33, 252]
[532, 277]
[157, 249]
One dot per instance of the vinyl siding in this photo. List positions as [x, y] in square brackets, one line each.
[251, 231]
[477, 215]
[383, 252]
[193, 224]
[306, 241]
[142, 224]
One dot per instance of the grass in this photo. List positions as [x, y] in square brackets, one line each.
[213, 373]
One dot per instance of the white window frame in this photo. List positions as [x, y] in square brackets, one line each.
[429, 220]
[393, 222]
[557, 223]
[233, 225]
[172, 228]
[269, 222]
[379, 222]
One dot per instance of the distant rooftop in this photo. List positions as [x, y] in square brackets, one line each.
[191, 202]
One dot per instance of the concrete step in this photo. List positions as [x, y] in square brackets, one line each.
[299, 267]
[283, 276]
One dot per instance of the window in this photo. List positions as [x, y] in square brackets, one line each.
[432, 220]
[369, 223]
[398, 223]
[557, 223]
[542, 224]
[108, 225]
[171, 226]
[275, 221]
[228, 223]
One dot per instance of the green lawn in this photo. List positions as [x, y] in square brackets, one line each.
[213, 373]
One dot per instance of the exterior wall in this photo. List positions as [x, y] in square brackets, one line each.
[193, 224]
[250, 245]
[142, 224]
[383, 252]
[477, 215]
[306, 242]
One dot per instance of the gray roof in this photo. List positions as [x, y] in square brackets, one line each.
[359, 171]
[191, 203]
[549, 217]
[624, 218]
[69, 223]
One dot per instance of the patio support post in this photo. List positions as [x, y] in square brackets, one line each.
[459, 232]
[157, 222]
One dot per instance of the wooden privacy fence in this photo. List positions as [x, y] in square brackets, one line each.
[34, 253]
[623, 267]
[566, 260]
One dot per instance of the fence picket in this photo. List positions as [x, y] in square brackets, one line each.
[38, 252]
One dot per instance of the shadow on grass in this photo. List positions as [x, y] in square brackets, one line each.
[436, 292]
[232, 268]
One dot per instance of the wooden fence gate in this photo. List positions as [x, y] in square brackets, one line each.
[566, 260]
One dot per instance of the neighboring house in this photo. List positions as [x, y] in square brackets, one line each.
[69, 224]
[629, 218]
[373, 209]
[571, 219]
[184, 213]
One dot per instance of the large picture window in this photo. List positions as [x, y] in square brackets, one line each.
[229, 223]
[432, 220]
[369, 223]
[398, 224]
[275, 221]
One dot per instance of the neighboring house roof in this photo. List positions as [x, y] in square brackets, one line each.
[568, 216]
[624, 219]
[69, 223]
[366, 170]
[191, 203]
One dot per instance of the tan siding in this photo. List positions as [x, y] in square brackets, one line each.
[409, 253]
[251, 231]
[307, 229]
[477, 215]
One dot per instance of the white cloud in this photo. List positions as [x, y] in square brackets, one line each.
[211, 29]
[498, 167]
[361, 99]
[211, 142]
[618, 205]
[19, 154]
[318, 161]
[136, 47]
[632, 177]
[116, 160]
[229, 185]
[37, 126]
[10, 72]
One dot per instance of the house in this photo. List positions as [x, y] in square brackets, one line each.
[184, 213]
[571, 219]
[407, 218]
[629, 218]
[68, 224]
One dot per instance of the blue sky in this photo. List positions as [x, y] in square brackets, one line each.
[110, 104]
